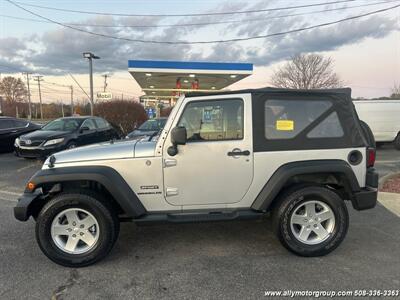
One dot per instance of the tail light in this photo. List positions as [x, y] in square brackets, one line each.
[371, 155]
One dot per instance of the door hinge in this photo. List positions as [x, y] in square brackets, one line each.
[171, 191]
[169, 162]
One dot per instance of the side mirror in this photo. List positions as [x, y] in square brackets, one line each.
[178, 137]
[84, 128]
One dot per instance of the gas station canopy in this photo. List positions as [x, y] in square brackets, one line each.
[169, 79]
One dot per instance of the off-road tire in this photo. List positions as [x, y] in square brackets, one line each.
[287, 204]
[91, 202]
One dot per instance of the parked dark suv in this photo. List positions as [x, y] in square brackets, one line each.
[64, 133]
[10, 129]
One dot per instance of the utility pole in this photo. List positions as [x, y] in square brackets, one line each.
[90, 56]
[72, 100]
[105, 81]
[38, 78]
[29, 93]
[62, 108]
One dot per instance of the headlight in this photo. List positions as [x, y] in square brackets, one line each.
[53, 142]
[16, 143]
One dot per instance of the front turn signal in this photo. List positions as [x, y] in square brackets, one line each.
[30, 186]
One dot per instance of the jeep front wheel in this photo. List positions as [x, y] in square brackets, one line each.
[76, 229]
[311, 221]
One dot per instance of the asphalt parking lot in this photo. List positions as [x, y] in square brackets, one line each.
[214, 260]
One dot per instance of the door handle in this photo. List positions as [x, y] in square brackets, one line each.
[169, 162]
[237, 152]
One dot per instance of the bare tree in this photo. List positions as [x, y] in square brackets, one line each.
[395, 91]
[307, 71]
[13, 89]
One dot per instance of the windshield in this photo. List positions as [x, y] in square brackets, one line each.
[62, 125]
[153, 125]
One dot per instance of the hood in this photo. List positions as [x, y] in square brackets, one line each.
[43, 135]
[105, 151]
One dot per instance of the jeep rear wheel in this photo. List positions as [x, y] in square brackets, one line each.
[75, 229]
[310, 221]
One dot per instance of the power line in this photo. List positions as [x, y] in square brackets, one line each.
[57, 84]
[212, 41]
[204, 23]
[79, 85]
[181, 15]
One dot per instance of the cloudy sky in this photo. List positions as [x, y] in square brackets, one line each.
[366, 51]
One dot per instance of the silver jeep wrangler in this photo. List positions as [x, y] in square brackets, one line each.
[294, 154]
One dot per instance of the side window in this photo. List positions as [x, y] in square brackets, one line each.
[328, 128]
[213, 120]
[19, 123]
[101, 123]
[89, 123]
[7, 124]
[285, 119]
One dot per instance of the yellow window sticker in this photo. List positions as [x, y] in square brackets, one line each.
[285, 125]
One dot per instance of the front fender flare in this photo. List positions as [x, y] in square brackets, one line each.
[106, 176]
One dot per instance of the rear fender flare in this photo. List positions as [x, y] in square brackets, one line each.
[281, 176]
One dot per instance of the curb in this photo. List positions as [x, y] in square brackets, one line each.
[385, 178]
[390, 201]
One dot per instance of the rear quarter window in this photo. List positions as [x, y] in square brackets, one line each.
[285, 119]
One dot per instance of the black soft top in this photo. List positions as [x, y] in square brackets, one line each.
[341, 104]
[346, 92]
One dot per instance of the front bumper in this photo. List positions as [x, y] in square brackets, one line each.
[36, 152]
[24, 208]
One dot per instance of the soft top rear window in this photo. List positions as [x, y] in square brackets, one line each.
[290, 120]
[285, 119]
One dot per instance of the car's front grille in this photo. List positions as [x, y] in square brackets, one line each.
[30, 144]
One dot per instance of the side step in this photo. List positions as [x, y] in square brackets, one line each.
[194, 217]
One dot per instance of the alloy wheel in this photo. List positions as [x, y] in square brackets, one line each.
[75, 231]
[312, 222]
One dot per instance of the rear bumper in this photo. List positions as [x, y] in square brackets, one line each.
[365, 199]
[23, 209]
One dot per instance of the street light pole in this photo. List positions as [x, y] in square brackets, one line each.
[90, 56]
[91, 85]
